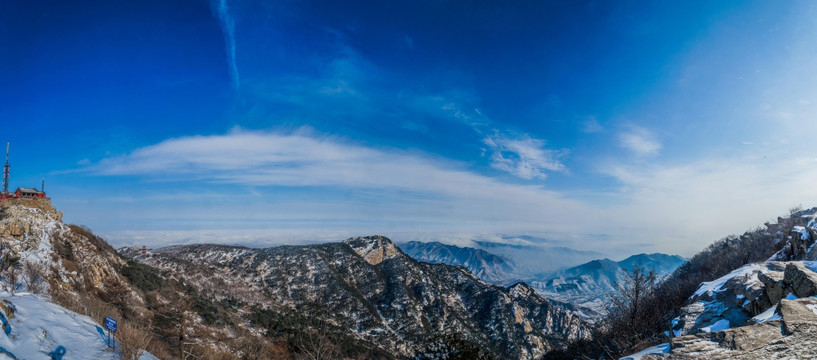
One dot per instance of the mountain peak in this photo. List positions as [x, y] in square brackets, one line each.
[374, 249]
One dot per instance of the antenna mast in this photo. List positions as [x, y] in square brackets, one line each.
[6, 171]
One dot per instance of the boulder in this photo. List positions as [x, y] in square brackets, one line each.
[801, 280]
[798, 315]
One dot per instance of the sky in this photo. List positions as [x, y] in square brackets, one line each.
[619, 127]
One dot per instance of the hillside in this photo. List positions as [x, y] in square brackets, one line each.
[744, 297]
[369, 289]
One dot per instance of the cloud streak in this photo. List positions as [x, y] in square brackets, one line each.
[639, 141]
[228, 28]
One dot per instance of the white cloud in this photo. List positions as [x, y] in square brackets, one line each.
[407, 185]
[523, 156]
[683, 208]
[639, 141]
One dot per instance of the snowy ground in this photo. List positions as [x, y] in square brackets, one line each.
[40, 327]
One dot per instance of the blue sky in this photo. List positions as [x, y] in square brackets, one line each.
[620, 127]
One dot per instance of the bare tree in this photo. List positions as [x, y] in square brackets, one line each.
[133, 339]
[316, 345]
[633, 313]
[11, 267]
[35, 272]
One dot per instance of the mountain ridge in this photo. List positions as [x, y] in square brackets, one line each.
[368, 285]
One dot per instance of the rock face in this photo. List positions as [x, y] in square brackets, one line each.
[759, 311]
[374, 249]
[368, 286]
[791, 336]
[802, 281]
[72, 257]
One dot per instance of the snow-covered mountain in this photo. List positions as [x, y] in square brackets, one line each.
[367, 288]
[587, 285]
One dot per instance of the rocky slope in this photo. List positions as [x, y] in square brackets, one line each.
[70, 258]
[370, 289]
[758, 311]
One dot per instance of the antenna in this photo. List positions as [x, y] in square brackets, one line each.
[42, 188]
[6, 171]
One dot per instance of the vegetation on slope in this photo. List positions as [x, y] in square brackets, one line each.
[641, 314]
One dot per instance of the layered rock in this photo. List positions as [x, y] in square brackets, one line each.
[790, 335]
[759, 311]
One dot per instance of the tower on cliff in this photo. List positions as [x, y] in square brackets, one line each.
[6, 172]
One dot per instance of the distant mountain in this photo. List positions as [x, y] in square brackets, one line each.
[660, 263]
[486, 266]
[532, 258]
[588, 284]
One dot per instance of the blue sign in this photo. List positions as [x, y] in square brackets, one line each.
[110, 324]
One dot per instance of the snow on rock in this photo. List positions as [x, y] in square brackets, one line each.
[769, 315]
[717, 285]
[732, 299]
[717, 326]
[804, 234]
[657, 349]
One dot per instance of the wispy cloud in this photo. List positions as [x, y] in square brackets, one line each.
[304, 159]
[591, 125]
[523, 156]
[639, 141]
[228, 28]
[689, 205]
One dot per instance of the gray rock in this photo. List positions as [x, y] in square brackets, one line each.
[802, 281]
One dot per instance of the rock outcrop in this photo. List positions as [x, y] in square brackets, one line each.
[791, 335]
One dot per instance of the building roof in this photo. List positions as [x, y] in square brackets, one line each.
[28, 190]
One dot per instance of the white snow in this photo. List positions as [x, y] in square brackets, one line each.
[767, 315]
[791, 296]
[39, 327]
[715, 285]
[717, 326]
[804, 234]
[657, 349]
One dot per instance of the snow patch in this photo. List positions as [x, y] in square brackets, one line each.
[717, 326]
[767, 315]
[716, 285]
[657, 349]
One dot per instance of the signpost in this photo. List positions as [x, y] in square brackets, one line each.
[110, 324]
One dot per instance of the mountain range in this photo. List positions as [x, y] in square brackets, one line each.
[367, 287]
[585, 285]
